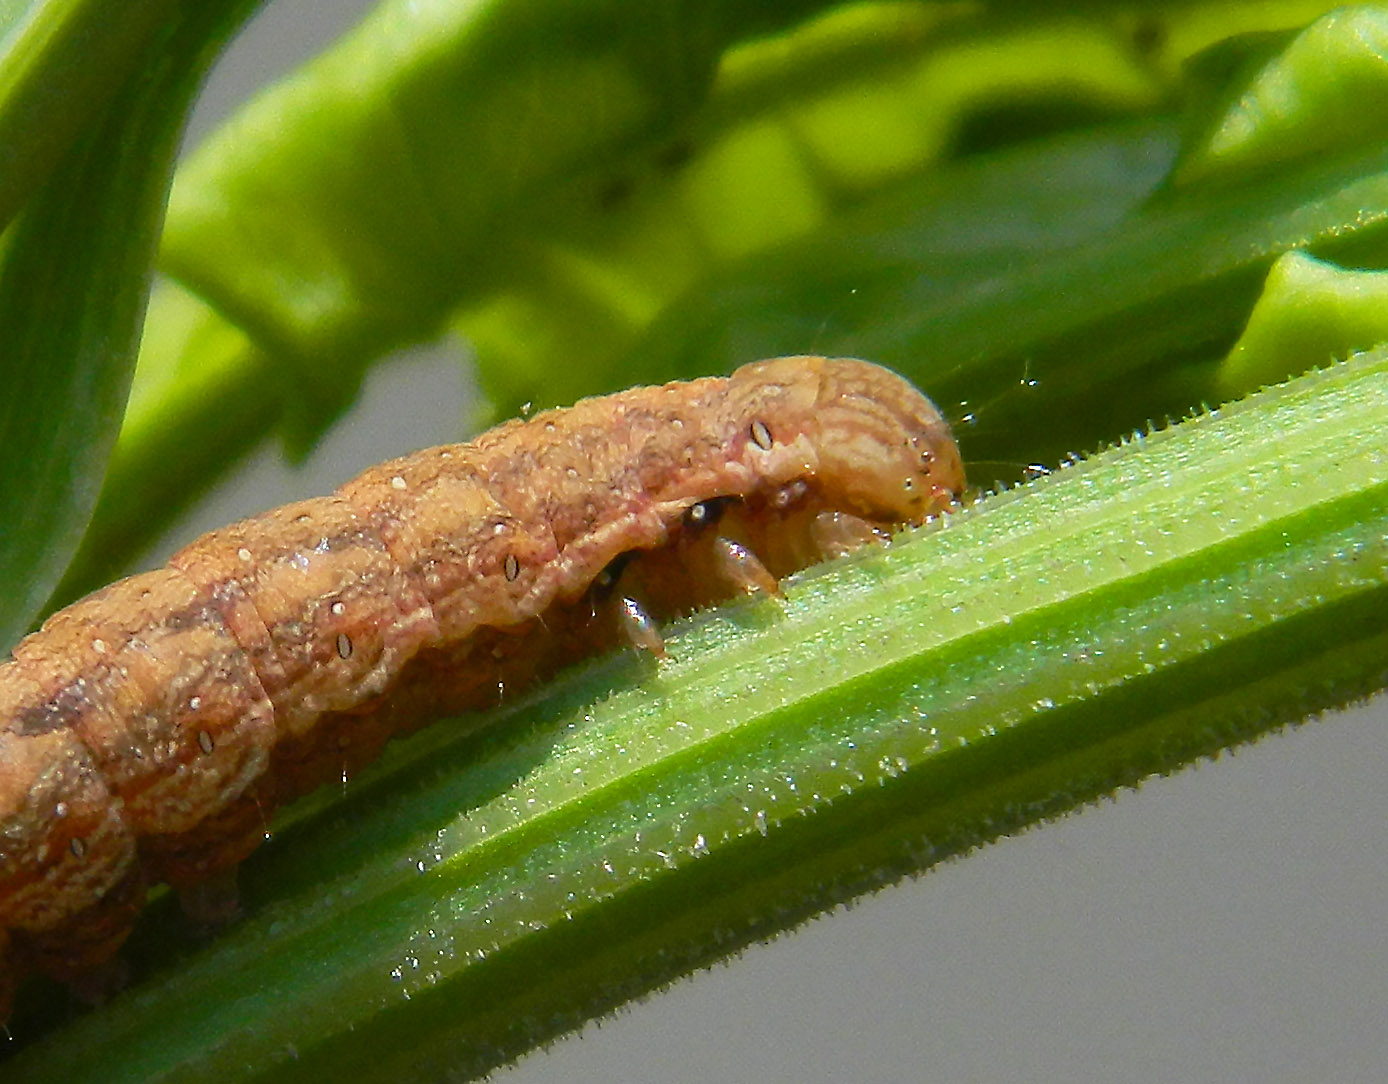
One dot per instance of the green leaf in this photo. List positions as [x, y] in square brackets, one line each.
[73, 282]
[468, 114]
[1184, 591]
[798, 133]
[195, 407]
[61, 62]
[1298, 96]
[1308, 309]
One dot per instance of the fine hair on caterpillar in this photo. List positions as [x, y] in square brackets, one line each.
[150, 728]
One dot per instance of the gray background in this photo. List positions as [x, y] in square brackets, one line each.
[1226, 924]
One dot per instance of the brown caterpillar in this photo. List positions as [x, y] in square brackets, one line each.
[151, 727]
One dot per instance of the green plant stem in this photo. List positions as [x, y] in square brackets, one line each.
[1180, 593]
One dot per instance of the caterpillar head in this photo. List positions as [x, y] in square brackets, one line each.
[874, 445]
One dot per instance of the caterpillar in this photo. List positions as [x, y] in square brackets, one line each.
[150, 728]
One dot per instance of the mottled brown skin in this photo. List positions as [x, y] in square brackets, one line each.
[151, 728]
